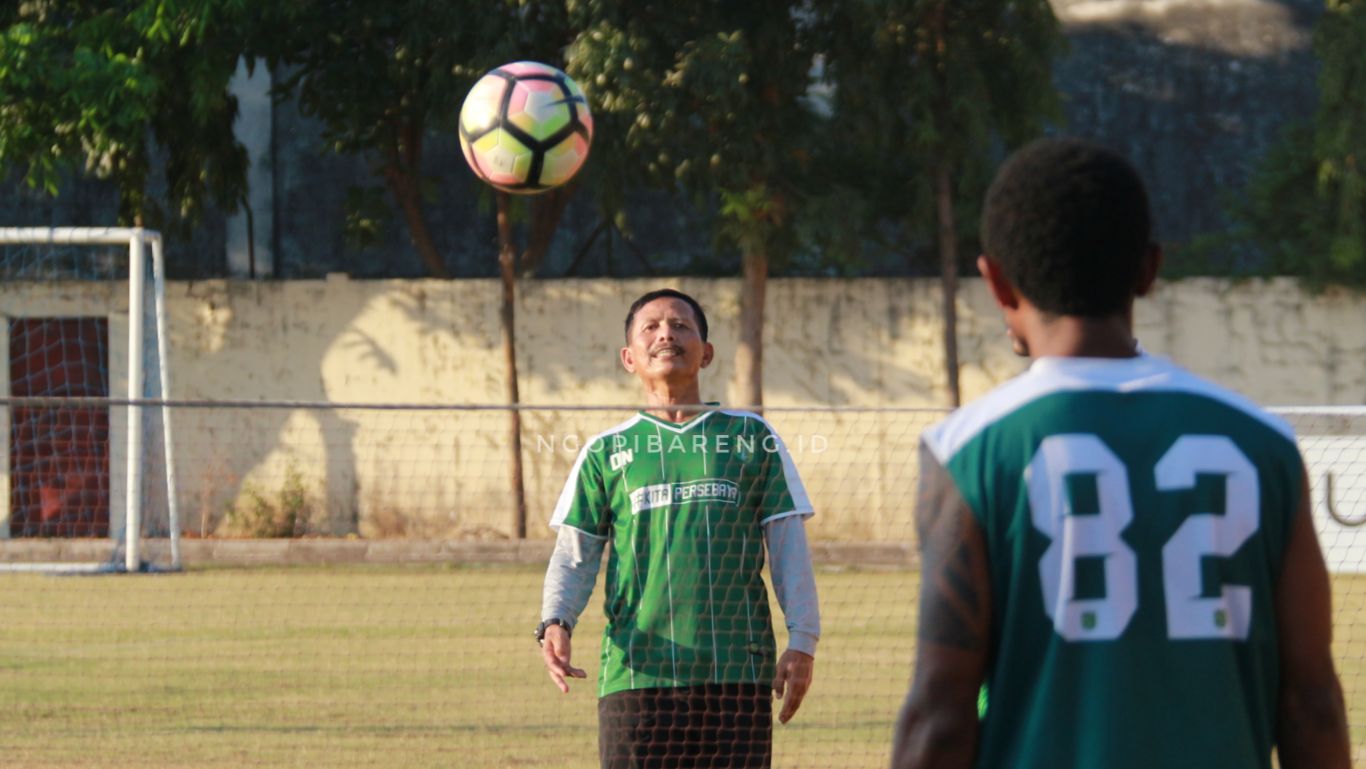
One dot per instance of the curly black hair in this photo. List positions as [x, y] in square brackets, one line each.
[668, 293]
[1069, 223]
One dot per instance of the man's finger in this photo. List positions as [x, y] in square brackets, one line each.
[795, 694]
[558, 678]
[780, 682]
[556, 653]
[556, 670]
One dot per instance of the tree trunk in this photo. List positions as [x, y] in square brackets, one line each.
[546, 211]
[749, 354]
[948, 266]
[403, 172]
[507, 269]
[408, 195]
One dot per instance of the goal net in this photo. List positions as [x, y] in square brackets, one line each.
[366, 599]
[87, 452]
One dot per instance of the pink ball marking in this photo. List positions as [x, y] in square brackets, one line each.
[525, 88]
[522, 68]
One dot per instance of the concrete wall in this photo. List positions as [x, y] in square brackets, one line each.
[443, 472]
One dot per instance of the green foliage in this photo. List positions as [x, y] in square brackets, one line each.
[920, 83]
[706, 99]
[384, 77]
[1340, 138]
[286, 512]
[366, 216]
[115, 90]
[1305, 211]
[370, 71]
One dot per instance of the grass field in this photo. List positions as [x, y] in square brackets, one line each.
[388, 667]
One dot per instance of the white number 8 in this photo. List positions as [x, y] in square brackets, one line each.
[1071, 536]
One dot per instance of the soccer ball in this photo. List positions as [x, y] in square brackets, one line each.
[525, 127]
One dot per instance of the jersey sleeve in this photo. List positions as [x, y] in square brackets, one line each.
[583, 502]
[779, 491]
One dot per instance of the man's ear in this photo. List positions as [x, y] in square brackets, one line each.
[1007, 298]
[1147, 272]
[628, 361]
[708, 352]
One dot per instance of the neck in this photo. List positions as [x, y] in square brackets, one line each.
[673, 401]
[1070, 336]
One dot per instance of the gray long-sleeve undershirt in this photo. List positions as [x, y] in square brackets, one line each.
[578, 555]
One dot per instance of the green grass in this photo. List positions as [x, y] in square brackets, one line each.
[413, 667]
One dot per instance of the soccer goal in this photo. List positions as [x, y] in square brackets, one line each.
[88, 463]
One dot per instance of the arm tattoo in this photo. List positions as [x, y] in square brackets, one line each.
[954, 589]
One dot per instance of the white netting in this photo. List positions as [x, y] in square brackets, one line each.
[392, 620]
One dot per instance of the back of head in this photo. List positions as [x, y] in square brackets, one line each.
[1068, 222]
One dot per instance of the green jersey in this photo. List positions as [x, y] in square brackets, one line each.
[683, 506]
[1135, 518]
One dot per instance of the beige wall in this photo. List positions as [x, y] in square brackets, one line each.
[866, 342]
[846, 343]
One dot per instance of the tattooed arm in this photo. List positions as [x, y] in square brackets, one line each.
[938, 723]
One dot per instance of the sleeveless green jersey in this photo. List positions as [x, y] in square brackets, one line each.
[1135, 519]
[683, 506]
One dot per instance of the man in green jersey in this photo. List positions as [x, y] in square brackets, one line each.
[689, 496]
[1119, 551]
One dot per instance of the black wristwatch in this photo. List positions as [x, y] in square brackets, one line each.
[540, 629]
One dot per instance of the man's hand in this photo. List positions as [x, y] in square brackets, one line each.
[555, 652]
[792, 681]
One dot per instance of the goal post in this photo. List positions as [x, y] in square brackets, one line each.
[52, 277]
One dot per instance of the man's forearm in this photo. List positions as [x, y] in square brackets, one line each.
[570, 576]
[935, 732]
[794, 582]
[1312, 731]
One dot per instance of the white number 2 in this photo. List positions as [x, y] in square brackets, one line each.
[1189, 616]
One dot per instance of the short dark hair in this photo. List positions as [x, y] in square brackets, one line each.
[667, 293]
[1069, 223]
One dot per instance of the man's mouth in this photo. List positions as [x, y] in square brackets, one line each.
[668, 352]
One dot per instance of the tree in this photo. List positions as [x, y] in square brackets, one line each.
[928, 91]
[383, 78]
[1306, 207]
[706, 98]
[118, 89]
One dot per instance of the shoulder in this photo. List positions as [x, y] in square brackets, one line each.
[600, 444]
[1187, 382]
[747, 420]
[948, 437]
[1053, 376]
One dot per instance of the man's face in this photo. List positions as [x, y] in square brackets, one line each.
[666, 343]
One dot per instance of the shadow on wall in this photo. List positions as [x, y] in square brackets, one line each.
[273, 471]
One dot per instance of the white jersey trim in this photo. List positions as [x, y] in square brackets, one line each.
[566, 499]
[801, 502]
[1046, 376]
[673, 427]
[577, 530]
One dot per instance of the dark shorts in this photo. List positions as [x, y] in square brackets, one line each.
[711, 726]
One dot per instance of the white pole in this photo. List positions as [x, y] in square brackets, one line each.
[163, 348]
[132, 521]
